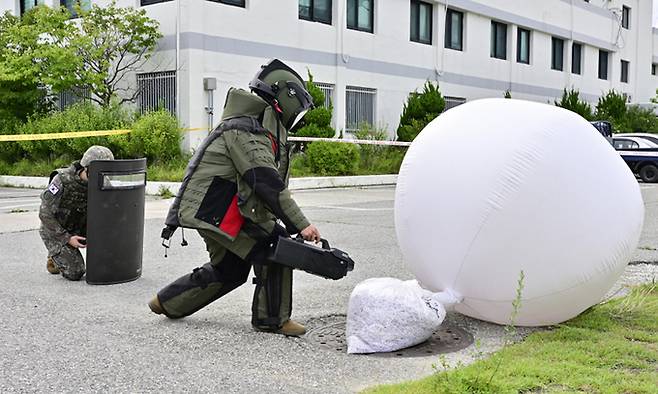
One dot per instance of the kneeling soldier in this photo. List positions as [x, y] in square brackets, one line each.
[233, 193]
[63, 215]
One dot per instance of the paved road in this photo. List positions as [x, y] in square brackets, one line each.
[18, 200]
[61, 336]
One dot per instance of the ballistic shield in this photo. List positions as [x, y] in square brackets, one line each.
[115, 220]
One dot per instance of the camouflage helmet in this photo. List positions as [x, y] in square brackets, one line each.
[284, 90]
[96, 152]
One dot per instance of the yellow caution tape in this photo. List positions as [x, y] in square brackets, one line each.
[72, 134]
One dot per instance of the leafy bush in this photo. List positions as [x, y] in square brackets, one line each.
[419, 110]
[316, 122]
[332, 158]
[612, 107]
[571, 101]
[639, 120]
[155, 135]
[78, 117]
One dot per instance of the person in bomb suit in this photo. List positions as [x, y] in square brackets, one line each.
[63, 214]
[233, 193]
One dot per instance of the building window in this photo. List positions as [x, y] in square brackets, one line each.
[359, 107]
[26, 5]
[421, 22]
[557, 54]
[624, 71]
[143, 3]
[157, 90]
[454, 35]
[360, 14]
[237, 3]
[625, 17]
[70, 5]
[498, 40]
[452, 102]
[576, 58]
[654, 67]
[67, 98]
[603, 64]
[328, 90]
[523, 46]
[315, 10]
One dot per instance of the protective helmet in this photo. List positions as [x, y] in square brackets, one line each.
[96, 152]
[283, 89]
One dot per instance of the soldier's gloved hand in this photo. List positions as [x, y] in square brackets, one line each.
[77, 241]
[311, 233]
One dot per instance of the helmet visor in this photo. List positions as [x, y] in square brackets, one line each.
[298, 118]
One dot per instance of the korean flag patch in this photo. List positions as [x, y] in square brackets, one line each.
[53, 189]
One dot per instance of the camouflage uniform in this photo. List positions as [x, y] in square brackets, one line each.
[63, 213]
[233, 192]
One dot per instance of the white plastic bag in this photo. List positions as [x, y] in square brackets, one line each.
[387, 314]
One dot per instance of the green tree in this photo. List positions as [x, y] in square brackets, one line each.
[36, 58]
[612, 107]
[420, 109]
[317, 122]
[111, 43]
[655, 99]
[571, 100]
[508, 94]
[639, 120]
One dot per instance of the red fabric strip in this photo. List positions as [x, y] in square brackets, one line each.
[233, 219]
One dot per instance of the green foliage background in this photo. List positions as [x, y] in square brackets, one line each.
[420, 109]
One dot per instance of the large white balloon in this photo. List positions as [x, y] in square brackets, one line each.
[498, 186]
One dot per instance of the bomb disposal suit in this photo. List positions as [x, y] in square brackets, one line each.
[233, 192]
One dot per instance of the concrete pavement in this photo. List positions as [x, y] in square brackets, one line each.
[61, 336]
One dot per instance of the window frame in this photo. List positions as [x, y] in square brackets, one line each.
[419, 4]
[243, 3]
[145, 3]
[520, 30]
[356, 6]
[447, 41]
[494, 39]
[21, 6]
[624, 72]
[554, 52]
[580, 58]
[312, 17]
[607, 65]
[626, 17]
[654, 68]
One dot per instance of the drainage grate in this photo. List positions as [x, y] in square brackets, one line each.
[447, 339]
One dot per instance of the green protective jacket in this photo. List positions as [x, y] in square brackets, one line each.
[233, 185]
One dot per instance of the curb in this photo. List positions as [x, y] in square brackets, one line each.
[153, 188]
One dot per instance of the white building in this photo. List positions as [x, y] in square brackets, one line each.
[370, 54]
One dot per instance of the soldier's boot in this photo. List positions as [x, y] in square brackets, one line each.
[204, 285]
[51, 267]
[272, 304]
[290, 328]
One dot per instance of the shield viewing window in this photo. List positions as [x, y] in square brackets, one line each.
[114, 181]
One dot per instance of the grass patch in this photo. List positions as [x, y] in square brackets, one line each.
[610, 348]
[171, 171]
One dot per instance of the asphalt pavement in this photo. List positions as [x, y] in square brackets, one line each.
[61, 336]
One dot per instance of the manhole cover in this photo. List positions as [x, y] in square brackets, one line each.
[447, 339]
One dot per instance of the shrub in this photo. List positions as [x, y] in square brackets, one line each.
[571, 100]
[10, 151]
[332, 158]
[638, 120]
[316, 122]
[612, 107]
[419, 110]
[155, 135]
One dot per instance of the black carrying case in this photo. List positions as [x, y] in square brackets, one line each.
[327, 262]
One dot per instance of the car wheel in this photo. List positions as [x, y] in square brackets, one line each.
[649, 173]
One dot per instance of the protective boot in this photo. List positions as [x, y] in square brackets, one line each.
[155, 306]
[51, 267]
[290, 329]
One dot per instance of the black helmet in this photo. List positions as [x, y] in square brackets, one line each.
[282, 88]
